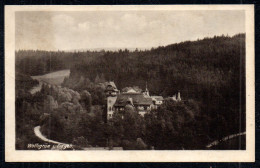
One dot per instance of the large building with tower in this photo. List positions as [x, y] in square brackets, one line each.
[142, 102]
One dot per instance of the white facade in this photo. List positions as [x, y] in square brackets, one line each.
[110, 106]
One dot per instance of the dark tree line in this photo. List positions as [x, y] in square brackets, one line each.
[39, 62]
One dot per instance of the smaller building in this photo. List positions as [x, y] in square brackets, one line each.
[157, 101]
[176, 97]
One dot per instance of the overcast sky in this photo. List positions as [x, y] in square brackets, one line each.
[117, 29]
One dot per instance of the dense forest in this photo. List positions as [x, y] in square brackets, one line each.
[209, 73]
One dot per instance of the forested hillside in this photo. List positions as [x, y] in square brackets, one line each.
[209, 73]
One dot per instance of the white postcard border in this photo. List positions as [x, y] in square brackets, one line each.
[12, 155]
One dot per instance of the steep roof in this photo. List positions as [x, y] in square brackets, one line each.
[111, 83]
[111, 86]
[138, 99]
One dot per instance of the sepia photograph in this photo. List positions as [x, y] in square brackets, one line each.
[131, 79]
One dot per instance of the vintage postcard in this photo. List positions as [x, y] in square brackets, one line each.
[155, 83]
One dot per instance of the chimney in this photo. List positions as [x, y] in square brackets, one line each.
[179, 96]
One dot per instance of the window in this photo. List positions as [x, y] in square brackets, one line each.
[110, 109]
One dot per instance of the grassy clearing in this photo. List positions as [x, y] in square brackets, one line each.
[54, 78]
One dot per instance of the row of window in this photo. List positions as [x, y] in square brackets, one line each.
[111, 109]
[111, 115]
[121, 109]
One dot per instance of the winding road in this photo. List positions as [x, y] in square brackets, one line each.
[53, 78]
[38, 133]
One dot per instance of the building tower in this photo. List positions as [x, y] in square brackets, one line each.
[179, 96]
[111, 94]
[146, 92]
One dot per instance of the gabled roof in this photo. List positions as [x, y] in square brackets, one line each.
[131, 91]
[138, 99]
[157, 98]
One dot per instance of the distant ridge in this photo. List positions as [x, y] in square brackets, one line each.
[109, 49]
